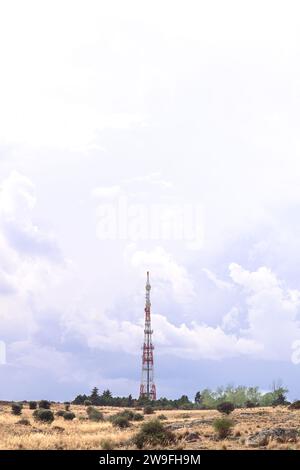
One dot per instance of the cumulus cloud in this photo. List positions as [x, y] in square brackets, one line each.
[201, 341]
[17, 201]
[194, 341]
[272, 310]
[165, 268]
[218, 282]
[230, 320]
[28, 259]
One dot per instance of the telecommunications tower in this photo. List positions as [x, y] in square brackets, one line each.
[147, 388]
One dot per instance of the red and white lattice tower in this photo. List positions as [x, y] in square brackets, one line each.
[147, 388]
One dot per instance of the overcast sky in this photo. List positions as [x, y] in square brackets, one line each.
[160, 136]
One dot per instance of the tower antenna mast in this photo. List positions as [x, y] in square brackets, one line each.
[147, 388]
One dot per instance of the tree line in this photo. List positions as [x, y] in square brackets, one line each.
[206, 399]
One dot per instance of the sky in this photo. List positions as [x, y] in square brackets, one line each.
[160, 136]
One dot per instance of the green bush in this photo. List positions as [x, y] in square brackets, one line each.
[226, 407]
[295, 405]
[43, 415]
[32, 405]
[69, 415]
[82, 418]
[148, 410]
[60, 413]
[44, 404]
[137, 417]
[250, 404]
[94, 414]
[162, 417]
[87, 402]
[16, 408]
[24, 422]
[120, 421]
[130, 415]
[153, 433]
[223, 426]
[107, 444]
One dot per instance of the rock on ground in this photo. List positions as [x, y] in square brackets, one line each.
[262, 438]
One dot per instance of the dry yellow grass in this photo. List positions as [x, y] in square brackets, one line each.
[84, 434]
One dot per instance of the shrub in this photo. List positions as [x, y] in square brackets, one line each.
[67, 406]
[223, 426]
[43, 415]
[87, 402]
[94, 414]
[279, 400]
[16, 408]
[137, 417]
[226, 407]
[153, 433]
[148, 410]
[32, 405]
[120, 421]
[130, 415]
[107, 444]
[44, 404]
[24, 422]
[250, 404]
[162, 417]
[295, 405]
[69, 415]
[60, 413]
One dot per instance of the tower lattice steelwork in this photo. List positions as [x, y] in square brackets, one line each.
[147, 388]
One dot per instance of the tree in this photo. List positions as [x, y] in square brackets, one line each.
[198, 398]
[79, 400]
[279, 393]
[183, 402]
[208, 399]
[95, 398]
[106, 398]
[130, 401]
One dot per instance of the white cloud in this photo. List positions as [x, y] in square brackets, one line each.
[262, 279]
[17, 201]
[151, 179]
[218, 282]
[272, 311]
[164, 268]
[201, 341]
[106, 192]
[30, 260]
[17, 197]
[230, 321]
[99, 331]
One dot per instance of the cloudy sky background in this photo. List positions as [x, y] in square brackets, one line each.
[104, 103]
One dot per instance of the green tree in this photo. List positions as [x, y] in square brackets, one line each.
[130, 401]
[94, 397]
[106, 398]
[208, 399]
[198, 398]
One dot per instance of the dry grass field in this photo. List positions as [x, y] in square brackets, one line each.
[84, 434]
